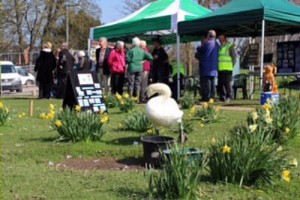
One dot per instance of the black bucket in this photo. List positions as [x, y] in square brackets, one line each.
[153, 146]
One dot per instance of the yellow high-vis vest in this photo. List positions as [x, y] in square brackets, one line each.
[175, 68]
[225, 60]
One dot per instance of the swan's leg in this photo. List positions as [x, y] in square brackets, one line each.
[182, 136]
[156, 131]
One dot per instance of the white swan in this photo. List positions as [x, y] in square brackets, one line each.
[162, 110]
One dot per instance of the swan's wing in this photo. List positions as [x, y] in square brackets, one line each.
[163, 113]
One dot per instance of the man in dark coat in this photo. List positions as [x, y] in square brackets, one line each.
[102, 66]
[161, 68]
[44, 66]
[65, 65]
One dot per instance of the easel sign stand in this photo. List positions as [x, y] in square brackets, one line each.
[84, 89]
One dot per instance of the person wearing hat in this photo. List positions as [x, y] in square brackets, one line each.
[44, 66]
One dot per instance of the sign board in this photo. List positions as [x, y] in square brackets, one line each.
[288, 57]
[85, 90]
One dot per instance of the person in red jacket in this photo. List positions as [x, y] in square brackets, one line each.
[117, 64]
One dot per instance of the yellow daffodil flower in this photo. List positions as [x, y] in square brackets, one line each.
[213, 140]
[211, 101]
[193, 110]
[77, 108]
[205, 105]
[286, 175]
[6, 110]
[201, 125]
[126, 96]
[226, 149]
[149, 131]
[269, 120]
[104, 119]
[58, 123]
[267, 106]
[49, 116]
[122, 102]
[252, 128]
[1, 105]
[217, 109]
[43, 116]
[294, 162]
[52, 107]
[287, 130]
[23, 114]
[254, 115]
[119, 97]
[20, 115]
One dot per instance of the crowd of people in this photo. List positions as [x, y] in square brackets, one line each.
[114, 67]
[136, 66]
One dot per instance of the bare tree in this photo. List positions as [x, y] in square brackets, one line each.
[129, 6]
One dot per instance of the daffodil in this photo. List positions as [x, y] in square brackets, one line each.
[20, 115]
[43, 116]
[269, 120]
[226, 149]
[122, 102]
[49, 116]
[253, 128]
[121, 125]
[6, 110]
[119, 97]
[101, 112]
[287, 130]
[294, 162]
[286, 175]
[77, 108]
[211, 101]
[23, 114]
[104, 119]
[1, 105]
[254, 115]
[126, 96]
[267, 106]
[52, 107]
[58, 123]
[205, 105]
[201, 125]
[149, 131]
[193, 110]
[213, 140]
[217, 109]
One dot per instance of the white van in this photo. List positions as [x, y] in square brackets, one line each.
[10, 79]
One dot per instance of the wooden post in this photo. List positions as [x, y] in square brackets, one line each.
[31, 108]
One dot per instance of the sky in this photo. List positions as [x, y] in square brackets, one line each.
[111, 10]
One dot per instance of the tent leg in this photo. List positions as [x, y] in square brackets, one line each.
[262, 54]
[178, 65]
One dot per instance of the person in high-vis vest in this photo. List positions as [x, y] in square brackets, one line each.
[226, 62]
[174, 70]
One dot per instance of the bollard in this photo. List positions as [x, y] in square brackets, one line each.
[31, 108]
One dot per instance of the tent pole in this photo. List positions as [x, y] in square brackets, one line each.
[262, 54]
[178, 65]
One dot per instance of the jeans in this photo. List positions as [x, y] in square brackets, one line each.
[207, 87]
[104, 80]
[134, 82]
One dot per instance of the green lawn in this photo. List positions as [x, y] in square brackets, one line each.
[27, 147]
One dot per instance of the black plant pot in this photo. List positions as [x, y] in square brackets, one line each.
[153, 146]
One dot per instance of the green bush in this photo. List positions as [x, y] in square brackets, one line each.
[178, 178]
[4, 114]
[187, 102]
[247, 155]
[136, 121]
[79, 126]
[125, 102]
[111, 101]
[281, 119]
[207, 113]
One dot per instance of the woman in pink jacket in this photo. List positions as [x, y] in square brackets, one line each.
[117, 64]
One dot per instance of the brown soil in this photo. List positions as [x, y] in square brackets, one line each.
[101, 164]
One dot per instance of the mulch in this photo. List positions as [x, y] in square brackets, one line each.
[105, 163]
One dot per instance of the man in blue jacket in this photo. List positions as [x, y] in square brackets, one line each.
[207, 54]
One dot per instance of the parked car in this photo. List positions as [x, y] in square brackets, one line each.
[26, 77]
[10, 79]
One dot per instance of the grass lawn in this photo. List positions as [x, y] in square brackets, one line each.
[28, 151]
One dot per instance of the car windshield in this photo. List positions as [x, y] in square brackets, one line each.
[22, 71]
[7, 69]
